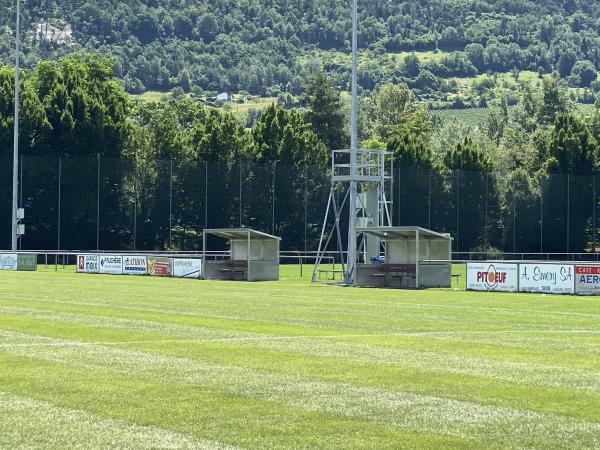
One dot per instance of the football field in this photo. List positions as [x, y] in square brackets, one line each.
[98, 361]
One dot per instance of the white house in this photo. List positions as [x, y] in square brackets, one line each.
[225, 97]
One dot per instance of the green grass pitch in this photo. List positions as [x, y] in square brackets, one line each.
[95, 361]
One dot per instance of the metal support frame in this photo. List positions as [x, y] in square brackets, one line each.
[367, 170]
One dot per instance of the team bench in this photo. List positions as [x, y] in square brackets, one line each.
[235, 267]
[396, 271]
[330, 273]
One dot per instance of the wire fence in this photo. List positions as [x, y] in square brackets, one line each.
[118, 204]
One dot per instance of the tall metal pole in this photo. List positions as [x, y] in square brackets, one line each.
[353, 148]
[15, 204]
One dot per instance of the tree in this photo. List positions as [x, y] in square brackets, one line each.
[566, 62]
[572, 148]
[410, 144]
[325, 112]
[467, 156]
[184, 80]
[427, 81]
[572, 159]
[583, 74]
[284, 137]
[554, 101]
[412, 65]
[521, 212]
[475, 187]
[497, 120]
[285, 141]
[393, 104]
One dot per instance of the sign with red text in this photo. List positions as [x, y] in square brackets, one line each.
[587, 280]
[160, 267]
[498, 277]
[88, 263]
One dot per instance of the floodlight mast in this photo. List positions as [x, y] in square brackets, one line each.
[16, 128]
[351, 261]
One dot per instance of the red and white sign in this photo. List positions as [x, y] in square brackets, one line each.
[492, 277]
[587, 280]
[160, 267]
[88, 263]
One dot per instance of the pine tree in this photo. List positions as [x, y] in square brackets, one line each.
[325, 112]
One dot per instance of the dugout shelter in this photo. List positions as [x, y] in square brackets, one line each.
[252, 255]
[410, 258]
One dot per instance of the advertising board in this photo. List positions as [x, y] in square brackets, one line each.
[547, 278]
[27, 262]
[8, 261]
[160, 267]
[135, 265]
[111, 264]
[587, 280]
[88, 264]
[492, 277]
[187, 268]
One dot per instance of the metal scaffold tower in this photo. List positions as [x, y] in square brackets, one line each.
[365, 178]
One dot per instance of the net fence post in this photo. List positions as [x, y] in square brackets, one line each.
[274, 171]
[399, 196]
[458, 210]
[594, 212]
[305, 215]
[135, 199]
[21, 195]
[59, 201]
[171, 204]
[240, 186]
[98, 206]
[541, 215]
[514, 217]
[568, 213]
[429, 202]
[485, 224]
[205, 194]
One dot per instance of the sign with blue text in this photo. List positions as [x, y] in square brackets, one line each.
[8, 261]
[547, 278]
[111, 264]
[187, 268]
[587, 280]
[135, 265]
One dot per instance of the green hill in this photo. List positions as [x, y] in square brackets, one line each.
[265, 47]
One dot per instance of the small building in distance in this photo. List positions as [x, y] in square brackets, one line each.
[225, 97]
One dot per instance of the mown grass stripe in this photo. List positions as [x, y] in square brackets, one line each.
[530, 372]
[202, 410]
[32, 424]
[409, 410]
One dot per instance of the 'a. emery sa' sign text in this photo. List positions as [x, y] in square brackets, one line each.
[547, 278]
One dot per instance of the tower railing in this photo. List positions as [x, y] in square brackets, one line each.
[371, 166]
